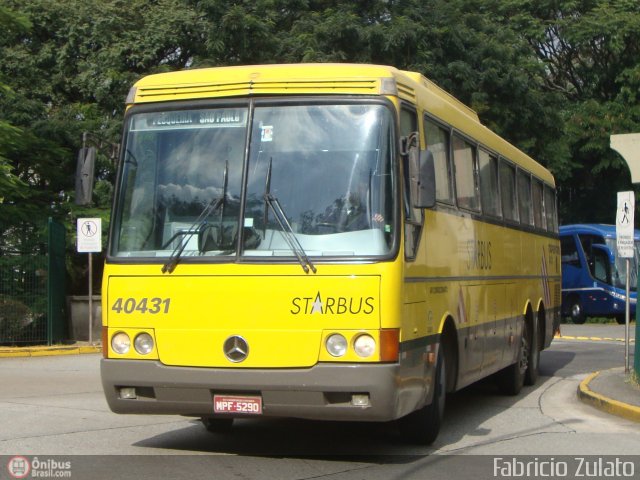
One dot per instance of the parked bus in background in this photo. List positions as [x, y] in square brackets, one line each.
[321, 241]
[593, 275]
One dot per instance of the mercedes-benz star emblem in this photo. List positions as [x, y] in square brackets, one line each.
[236, 349]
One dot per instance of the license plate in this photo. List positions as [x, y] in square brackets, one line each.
[245, 405]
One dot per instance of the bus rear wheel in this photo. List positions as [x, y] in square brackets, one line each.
[533, 362]
[422, 426]
[511, 379]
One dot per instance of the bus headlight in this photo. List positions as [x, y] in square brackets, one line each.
[121, 343]
[336, 345]
[364, 346]
[143, 343]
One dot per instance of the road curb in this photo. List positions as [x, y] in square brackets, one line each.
[595, 339]
[606, 404]
[12, 352]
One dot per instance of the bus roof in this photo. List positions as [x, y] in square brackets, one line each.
[328, 79]
[607, 231]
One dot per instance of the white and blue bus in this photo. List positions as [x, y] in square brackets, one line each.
[593, 274]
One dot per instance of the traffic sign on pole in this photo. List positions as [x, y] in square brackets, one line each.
[89, 241]
[626, 249]
[89, 235]
[624, 225]
[627, 145]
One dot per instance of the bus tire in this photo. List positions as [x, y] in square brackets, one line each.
[533, 362]
[576, 312]
[422, 426]
[217, 425]
[622, 320]
[511, 379]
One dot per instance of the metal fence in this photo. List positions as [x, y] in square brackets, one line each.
[32, 287]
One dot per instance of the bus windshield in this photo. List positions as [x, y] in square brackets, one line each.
[204, 182]
[620, 267]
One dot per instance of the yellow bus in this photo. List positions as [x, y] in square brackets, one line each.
[320, 241]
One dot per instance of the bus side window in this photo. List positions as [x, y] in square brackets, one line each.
[438, 144]
[538, 214]
[508, 190]
[489, 184]
[524, 197]
[569, 252]
[465, 173]
[550, 208]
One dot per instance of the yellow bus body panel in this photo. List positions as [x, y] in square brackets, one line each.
[285, 318]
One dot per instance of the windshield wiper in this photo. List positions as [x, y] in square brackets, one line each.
[213, 205]
[287, 231]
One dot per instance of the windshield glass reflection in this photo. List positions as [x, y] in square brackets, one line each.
[331, 173]
[327, 167]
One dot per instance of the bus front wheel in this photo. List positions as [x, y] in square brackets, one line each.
[576, 312]
[217, 425]
[422, 426]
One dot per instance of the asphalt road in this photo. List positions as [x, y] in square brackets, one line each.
[53, 406]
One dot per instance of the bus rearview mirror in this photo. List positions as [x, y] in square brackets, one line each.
[423, 178]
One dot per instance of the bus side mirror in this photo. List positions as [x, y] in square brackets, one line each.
[84, 175]
[423, 178]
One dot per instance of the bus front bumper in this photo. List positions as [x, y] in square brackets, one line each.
[325, 391]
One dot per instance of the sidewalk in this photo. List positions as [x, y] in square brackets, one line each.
[612, 391]
[43, 351]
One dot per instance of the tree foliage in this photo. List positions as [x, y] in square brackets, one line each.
[591, 53]
[554, 77]
[9, 135]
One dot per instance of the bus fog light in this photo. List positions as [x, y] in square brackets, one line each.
[336, 345]
[360, 400]
[128, 393]
[365, 346]
[143, 344]
[121, 343]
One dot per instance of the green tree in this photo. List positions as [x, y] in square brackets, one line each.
[555, 77]
[67, 73]
[9, 135]
[591, 53]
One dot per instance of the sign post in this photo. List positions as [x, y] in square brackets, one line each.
[626, 247]
[628, 146]
[89, 232]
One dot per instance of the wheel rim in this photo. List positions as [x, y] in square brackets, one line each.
[524, 357]
[576, 311]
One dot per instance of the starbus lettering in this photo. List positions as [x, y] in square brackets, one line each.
[479, 255]
[332, 305]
